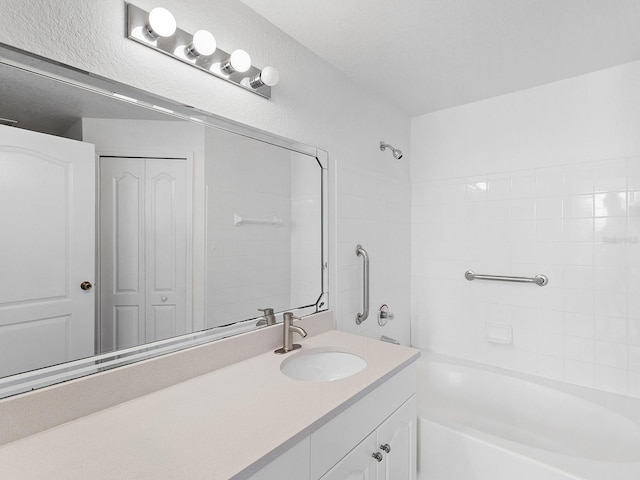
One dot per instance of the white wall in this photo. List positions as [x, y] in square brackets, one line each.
[248, 266]
[314, 104]
[545, 180]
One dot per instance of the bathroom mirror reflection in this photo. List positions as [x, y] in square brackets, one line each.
[129, 220]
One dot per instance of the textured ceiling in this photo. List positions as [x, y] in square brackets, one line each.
[427, 55]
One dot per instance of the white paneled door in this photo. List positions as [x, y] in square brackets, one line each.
[145, 238]
[47, 250]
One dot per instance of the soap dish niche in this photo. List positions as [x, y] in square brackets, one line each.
[499, 333]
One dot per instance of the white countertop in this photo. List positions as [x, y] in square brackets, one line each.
[216, 426]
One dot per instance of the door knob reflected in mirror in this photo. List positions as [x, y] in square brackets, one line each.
[86, 285]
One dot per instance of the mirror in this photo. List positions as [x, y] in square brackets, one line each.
[134, 226]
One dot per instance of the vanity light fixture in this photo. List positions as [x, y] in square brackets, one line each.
[161, 23]
[158, 30]
[203, 43]
[268, 76]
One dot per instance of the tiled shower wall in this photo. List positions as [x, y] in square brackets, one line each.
[543, 181]
[579, 225]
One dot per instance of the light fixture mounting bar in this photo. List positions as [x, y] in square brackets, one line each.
[177, 45]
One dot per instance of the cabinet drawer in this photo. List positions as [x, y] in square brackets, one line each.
[336, 438]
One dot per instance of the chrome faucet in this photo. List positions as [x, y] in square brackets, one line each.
[288, 329]
[269, 317]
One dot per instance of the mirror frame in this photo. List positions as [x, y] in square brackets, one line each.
[31, 63]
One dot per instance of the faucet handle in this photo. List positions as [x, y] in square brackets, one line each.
[269, 317]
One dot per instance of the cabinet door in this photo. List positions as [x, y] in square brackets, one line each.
[358, 464]
[398, 432]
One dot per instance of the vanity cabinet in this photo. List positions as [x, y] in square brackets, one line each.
[359, 462]
[343, 448]
[399, 432]
[370, 458]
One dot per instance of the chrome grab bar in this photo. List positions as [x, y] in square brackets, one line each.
[361, 317]
[540, 280]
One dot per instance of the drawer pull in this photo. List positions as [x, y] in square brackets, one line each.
[377, 456]
[386, 448]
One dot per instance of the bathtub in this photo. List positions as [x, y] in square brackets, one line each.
[477, 422]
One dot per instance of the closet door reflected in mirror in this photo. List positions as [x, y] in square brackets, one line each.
[144, 256]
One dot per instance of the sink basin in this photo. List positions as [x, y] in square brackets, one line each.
[322, 365]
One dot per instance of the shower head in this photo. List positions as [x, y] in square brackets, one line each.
[397, 154]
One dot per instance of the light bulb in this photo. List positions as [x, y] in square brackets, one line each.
[203, 43]
[239, 61]
[268, 76]
[161, 23]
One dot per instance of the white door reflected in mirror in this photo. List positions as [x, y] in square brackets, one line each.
[47, 194]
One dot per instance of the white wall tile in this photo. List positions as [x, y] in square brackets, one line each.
[523, 209]
[578, 206]
[577, 348]
[610, 204]
[611, 329]
[579, 325]
[578, 230]
[499, 187]
[581, 373]
[610, 304]
[565, 206]
[611, 379]
[634, 331]
[549, 230]
[551, 344]
[579, 179]
[633, 173]
[633, 379]
[611, 354]
[549, 366]
[578, 276]
[610, 176]
[523, 186]
[634, 358]
[549, 181]
[549, 207]
[611, 279]
[633, 203]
